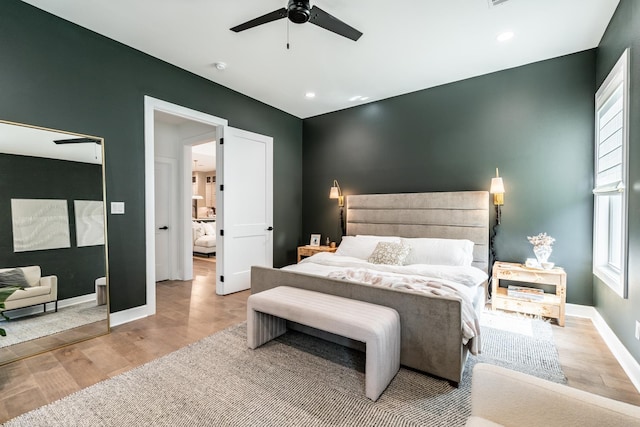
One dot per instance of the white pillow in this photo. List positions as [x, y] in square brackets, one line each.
[209, 229]
[198, 230]
[362, 246]
[457, 252]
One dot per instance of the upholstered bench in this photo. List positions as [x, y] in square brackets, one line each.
[377, 326]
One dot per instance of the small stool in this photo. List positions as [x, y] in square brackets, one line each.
[101, 290]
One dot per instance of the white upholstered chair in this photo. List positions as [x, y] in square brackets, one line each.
[502, 397]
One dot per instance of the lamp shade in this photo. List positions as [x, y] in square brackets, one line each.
[334, 193]
[197, 197]
[497, 186]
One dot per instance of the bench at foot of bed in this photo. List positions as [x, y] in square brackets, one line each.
[377, 326]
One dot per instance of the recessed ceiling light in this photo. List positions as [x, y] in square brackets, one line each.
[310, 95]
[355, 98]
[220, 65]
[364, 98]
[507, 35]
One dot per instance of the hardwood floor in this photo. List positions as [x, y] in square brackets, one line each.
[588, 363]
[188, 311]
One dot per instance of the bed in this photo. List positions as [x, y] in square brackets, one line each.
[204, 238]
[434, 330]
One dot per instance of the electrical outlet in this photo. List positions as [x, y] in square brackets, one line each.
[637, 330]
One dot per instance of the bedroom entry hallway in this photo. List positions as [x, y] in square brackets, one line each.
[245, 213]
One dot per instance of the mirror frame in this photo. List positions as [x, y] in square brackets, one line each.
[69, 340]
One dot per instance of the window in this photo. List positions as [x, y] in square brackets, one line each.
[610, 176]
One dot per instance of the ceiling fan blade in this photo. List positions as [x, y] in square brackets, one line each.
[269, 17]
[78, 141]
[324, 20]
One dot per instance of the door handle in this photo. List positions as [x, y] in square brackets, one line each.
[163, 228]
[269, 228]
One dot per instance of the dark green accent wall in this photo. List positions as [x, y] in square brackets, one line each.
[58, 75]
[25, 177]
[533, 122]
[624, 32]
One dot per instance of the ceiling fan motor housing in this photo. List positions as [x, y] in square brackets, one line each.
[298, 12]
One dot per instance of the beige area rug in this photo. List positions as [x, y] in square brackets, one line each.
[296, 380]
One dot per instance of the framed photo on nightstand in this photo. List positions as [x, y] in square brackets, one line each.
[315, 240]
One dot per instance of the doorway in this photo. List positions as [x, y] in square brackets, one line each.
[180, 229]
[213, 128]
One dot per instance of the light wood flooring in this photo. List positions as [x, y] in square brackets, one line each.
[188, 311]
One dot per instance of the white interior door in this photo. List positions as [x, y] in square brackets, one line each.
[163, 219]
[245, 207]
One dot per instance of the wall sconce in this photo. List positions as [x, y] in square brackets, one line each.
[336, 193]
[497, 189]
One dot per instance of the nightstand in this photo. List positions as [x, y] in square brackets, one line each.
[549, 305]
[307, 250]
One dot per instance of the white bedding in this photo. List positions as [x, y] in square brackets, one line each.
[464, 278]
[462, 281]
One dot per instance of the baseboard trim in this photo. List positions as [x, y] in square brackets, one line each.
[629, 364]
[129, 315]
[77, 300]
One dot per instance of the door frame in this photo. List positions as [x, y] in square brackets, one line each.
[151, 105]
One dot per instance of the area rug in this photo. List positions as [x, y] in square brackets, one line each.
[44, 324]
[296, 380]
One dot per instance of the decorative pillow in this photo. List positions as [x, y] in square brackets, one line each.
[457, 252]
[362, 246]
[389, 253]
[198, 230]
[13, 277]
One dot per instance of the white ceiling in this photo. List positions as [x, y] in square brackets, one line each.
[37, 142]
[204, 156]
[406, 46]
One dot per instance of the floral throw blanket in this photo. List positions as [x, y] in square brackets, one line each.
[470, 320]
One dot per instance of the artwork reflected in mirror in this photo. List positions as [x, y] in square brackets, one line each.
[53, 263]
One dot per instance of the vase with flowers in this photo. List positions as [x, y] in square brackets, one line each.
[542, 247]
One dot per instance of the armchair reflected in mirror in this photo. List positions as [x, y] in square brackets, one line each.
[52, 239]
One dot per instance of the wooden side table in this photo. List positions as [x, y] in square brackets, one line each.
[553, 304]
[307, 250]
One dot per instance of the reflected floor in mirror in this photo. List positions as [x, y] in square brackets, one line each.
[46, 343]
[36, 333]
[38, 325]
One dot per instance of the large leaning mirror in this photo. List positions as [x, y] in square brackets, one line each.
[52, 240]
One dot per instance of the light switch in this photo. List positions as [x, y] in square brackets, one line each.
[117, 208]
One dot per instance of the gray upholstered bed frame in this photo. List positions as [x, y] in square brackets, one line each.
[431, 327]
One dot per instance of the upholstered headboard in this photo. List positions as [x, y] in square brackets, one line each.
[446, 215]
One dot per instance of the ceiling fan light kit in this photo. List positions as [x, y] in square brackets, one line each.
[300, 12]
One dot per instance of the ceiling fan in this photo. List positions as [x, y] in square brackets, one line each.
[300, 12]
[78, 141]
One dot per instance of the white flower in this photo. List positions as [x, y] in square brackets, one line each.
[541, 240]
